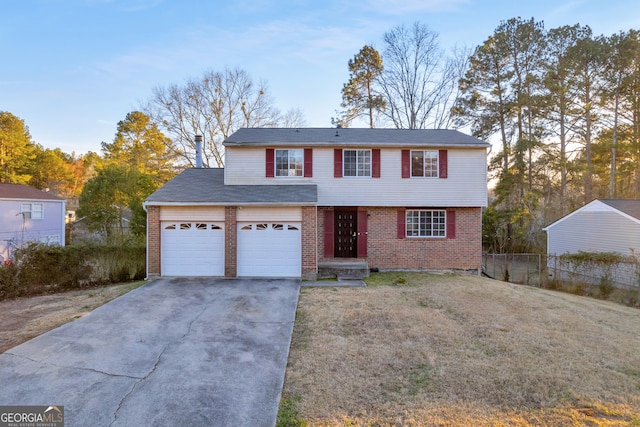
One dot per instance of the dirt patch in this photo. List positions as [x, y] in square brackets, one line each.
[25, 318]
[461, 350]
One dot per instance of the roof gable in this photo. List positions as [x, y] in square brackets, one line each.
[352, 137]
[20, 191]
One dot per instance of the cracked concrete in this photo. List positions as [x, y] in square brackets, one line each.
[173, 352]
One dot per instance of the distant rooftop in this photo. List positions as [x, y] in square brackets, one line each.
[20, 191]
[629, 206]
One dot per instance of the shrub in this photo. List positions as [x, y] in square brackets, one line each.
[41, 269]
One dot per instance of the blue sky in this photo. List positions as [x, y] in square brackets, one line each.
[71, 69]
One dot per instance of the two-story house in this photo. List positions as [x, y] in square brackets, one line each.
[289, 200]
[29, 215]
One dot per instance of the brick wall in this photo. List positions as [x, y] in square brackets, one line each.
[309, 243]
[153, 242]
[231, 242]
[386, 251]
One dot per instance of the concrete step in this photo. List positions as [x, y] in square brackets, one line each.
[343, 270]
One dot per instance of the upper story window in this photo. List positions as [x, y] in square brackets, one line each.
[289, 162]
[32, 211]
[426, 223]
[424, 163]
[356, 163]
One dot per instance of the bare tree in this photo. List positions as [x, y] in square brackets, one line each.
[215, 105]
[417, 80]
[293, 118]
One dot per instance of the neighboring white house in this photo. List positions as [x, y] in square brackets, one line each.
[291, 201]
[599, 226]
[29, 215]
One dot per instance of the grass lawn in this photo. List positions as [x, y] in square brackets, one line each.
[416, 349]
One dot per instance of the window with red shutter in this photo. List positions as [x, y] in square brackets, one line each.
[402, 224]
[443, 164]
[362, 234]
[270, 169]
[406, 164]
[375, 163]
[337, 163]
[451, 224]
[308, 162]
[328, 234]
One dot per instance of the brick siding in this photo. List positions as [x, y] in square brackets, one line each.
[387, 252]
[309, 243]
[153, 242]
[230, 242]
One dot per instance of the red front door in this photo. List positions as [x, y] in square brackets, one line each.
[346, 233]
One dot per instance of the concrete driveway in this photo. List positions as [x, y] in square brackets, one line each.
[175, 352]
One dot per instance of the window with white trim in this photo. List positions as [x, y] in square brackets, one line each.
[289, 162]
[32, 211]
[424, 163]
[50, 240]
[426, 223]
[356, 163]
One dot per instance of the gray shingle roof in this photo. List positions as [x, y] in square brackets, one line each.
[352, 137]
[19, 191]
[628, 206]
[206, 187]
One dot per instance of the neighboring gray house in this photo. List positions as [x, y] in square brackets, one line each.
[29, 215]
[599, 226]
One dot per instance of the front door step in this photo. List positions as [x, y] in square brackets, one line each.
[343, 270]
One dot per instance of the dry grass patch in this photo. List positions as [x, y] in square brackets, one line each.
[462, 350]
[24, 318]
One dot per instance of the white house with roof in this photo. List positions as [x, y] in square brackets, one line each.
[600, 226]
[29, 215]
[290, 201]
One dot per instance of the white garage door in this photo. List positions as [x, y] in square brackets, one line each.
[192, 249]
[269, 249]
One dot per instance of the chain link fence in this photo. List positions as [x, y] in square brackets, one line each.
[539, 270]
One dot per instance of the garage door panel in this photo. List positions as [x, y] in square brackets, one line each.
[269, 249]
[192, 249]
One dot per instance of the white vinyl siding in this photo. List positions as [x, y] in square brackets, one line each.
[269, 214]
[465, 186]
[597, 229]
[192, 213]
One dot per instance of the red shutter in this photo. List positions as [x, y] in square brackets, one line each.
[402, 224]
[308, 162]
[451, 224]
[406, 164]
[337, 163]
[328, 234]
[270, 163]
[375, 163]
[442, 159]
[362, 234]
